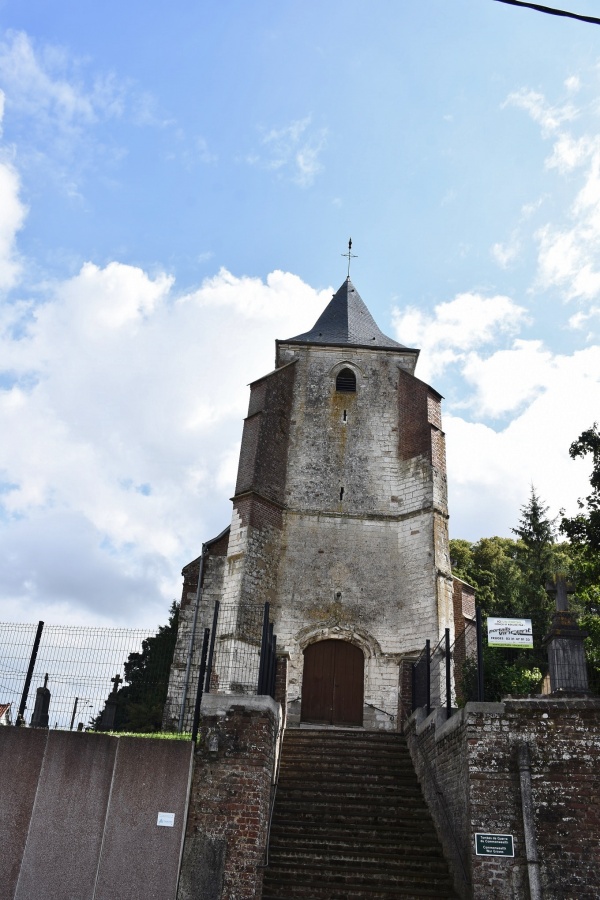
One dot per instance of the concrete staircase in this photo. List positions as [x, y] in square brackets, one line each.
[350, 822]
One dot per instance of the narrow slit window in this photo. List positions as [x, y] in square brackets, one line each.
[341, 494]
[345, 416]
[345, 383]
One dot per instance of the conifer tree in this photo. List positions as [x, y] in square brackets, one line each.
[536, 560]
[141, 700]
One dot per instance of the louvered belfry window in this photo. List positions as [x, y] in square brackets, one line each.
[345, 383]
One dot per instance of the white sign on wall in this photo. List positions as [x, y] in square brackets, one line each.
[167, 820]
[509, 632]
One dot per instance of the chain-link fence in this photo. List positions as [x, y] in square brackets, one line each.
[75, 670]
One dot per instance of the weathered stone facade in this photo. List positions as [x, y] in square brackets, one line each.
[340, 509]
[469, 772]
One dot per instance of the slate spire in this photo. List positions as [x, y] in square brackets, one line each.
[346, 321]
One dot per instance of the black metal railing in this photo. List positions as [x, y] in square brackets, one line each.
[449, 675]
[242, 651]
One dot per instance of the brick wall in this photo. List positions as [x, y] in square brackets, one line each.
[230, 799]
[471, 762]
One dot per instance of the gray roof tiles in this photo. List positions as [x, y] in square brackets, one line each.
[346, 320]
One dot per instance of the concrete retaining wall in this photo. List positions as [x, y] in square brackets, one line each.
[78, 815]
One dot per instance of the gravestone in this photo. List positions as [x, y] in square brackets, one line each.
[39, 718]
[109, 712]
[564, 643]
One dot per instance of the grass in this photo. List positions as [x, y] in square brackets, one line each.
[161, 735]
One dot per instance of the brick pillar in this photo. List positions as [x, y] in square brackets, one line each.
[281, 682]
[230, 799]
[404, 691]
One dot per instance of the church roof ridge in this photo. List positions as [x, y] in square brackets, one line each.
[346, 321]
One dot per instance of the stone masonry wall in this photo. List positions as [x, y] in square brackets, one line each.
[263, 454]
[212, 587]
[230, 799]
[471, 762]
[364, 553]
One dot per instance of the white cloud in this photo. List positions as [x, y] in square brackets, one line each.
[59, 108]
[293, 151]
[573, 83]
[12, 217]
[568, 250]
[43, 84]
[505, 380]
[121, 416]
[568, 153]
[550, 118]
[490, 471]
[456, 327]
[505, 254]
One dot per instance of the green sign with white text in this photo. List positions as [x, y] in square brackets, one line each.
[494, 845]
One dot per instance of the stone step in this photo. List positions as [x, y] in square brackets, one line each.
[327, 892]
[416, 825]
[403, 835]
[322, 804]
[347, 842]
[382, 878]
[395, 743]
[350, 787]
[350, 822]
[303, 762]
[358, 740]
[366, 861]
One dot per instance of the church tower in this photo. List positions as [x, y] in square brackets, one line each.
[339, 518]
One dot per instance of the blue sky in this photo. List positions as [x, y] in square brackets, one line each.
[177, 185]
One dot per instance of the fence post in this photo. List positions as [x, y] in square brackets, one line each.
[188, 665]
[211, 651]
[264, 653]
[272, 662]
[273, 685]
[479, 633]
[448, 686]
[428, 673]
[74, 714]
[34, 652]
[201, 674]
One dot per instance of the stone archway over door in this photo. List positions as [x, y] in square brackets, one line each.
[333, 683]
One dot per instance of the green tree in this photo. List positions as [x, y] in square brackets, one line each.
[537, 560]
[141, 700]
[510, 578]
[583, 530]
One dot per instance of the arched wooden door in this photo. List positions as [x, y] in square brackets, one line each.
[332, 684]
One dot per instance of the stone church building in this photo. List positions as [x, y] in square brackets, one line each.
[339, 522]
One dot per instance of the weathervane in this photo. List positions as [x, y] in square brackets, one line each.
[350, 255]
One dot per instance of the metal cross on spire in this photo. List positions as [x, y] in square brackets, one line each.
[350, 255]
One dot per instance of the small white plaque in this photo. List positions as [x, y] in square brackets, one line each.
[166, 819]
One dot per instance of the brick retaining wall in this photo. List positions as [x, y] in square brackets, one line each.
[470, 761]
[230, 799]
